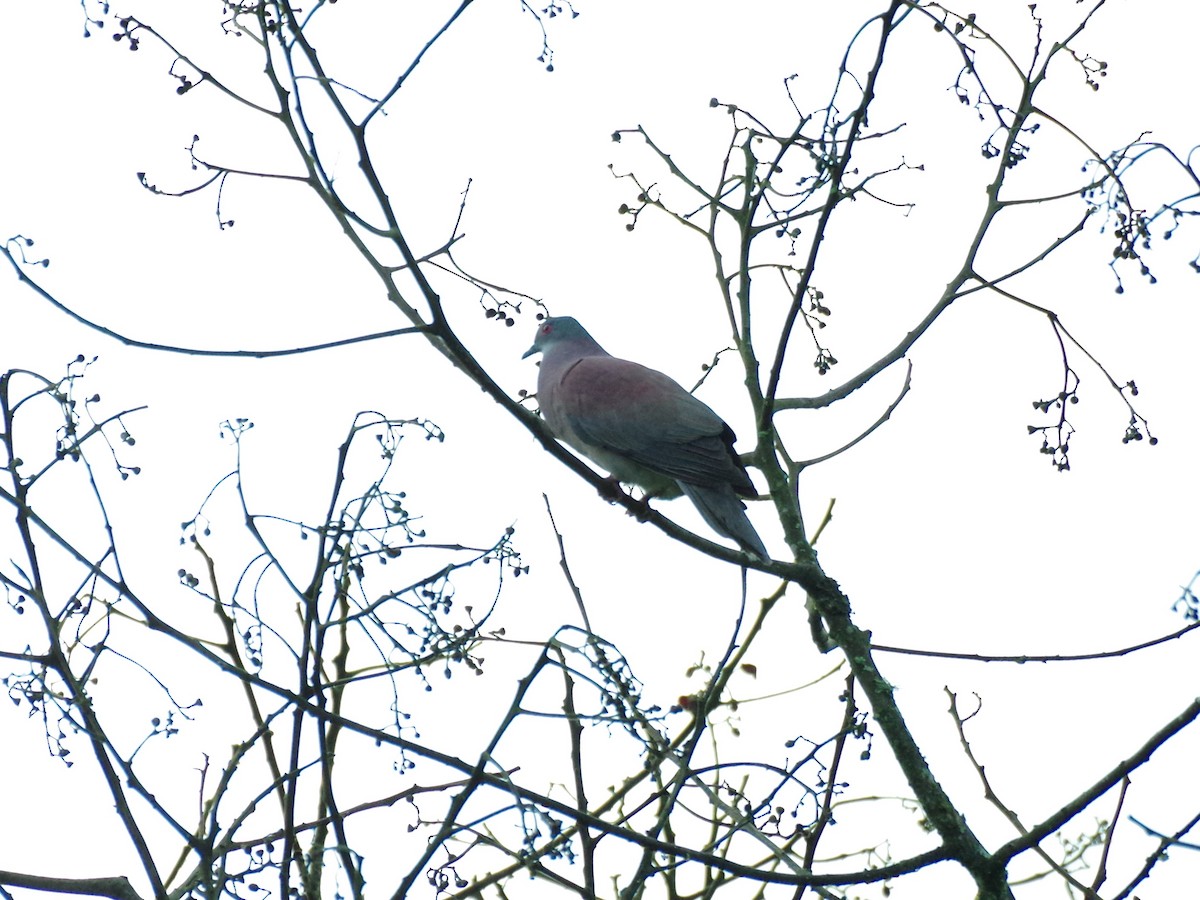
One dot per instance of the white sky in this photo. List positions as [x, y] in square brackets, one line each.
[951, 532]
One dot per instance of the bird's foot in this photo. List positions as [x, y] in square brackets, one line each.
[610, 489]
[642, 511]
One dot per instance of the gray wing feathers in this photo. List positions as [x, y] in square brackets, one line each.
[622, 407]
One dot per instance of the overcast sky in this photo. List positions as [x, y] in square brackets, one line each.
[951, 531]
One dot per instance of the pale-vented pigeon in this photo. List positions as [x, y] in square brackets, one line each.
[642, 427]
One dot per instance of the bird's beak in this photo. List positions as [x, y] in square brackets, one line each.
[532, 350]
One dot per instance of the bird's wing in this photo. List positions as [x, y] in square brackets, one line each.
[626, 408]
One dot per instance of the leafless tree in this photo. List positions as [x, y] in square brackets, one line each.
[323, 656]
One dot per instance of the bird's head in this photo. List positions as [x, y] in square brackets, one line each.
[559, 330]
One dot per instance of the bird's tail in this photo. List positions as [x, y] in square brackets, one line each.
[726, 515]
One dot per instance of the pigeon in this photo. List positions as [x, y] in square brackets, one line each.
[643, 427]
